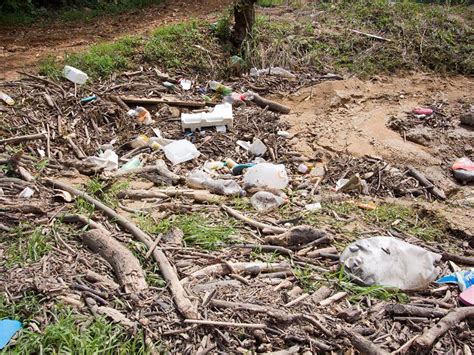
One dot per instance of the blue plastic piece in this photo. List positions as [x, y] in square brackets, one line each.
[239, 168]
[89, 99]
[8, 329]
[464, 279]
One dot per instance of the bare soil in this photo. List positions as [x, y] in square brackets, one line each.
[23, 48]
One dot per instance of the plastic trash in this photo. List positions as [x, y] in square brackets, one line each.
[422, 111]
[180, 151]
[355, 183]
[467, 296]
[257, 148]
[464, 279]
[7, 99]
[133, 163]
[303, 168]
[221, 115]
[142, 115]
[201, 180]
[214, 165]
[26, 193]
[220, 88]
[463, 170]
[390, 262]
[8, 328]
[264, 201]
[235, 99]
[107, 160]
[185, 84]
[266, 175]
[75, 75]
[313, 207]
[275, 71]
[238, 169]
[284, 134]
[88, 99]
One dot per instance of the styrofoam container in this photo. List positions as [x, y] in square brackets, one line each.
[75, 75]
[180, 151]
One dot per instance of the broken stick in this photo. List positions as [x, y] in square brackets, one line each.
[272, 105]
[425, 182]
[151, 101]
[23, 138]
[424, 343]
[181, 299]
[364, 346]
[252, 222]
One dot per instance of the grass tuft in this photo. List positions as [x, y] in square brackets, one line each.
[29, 246]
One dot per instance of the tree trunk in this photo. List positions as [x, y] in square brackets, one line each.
[244, 14]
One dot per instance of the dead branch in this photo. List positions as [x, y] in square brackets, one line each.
[226, 324]
[372, 36]
[18, 139]
[264, 248]
[296, 236]
[126, 266]
[246, 268]
[364, 346]
[425, 342]
[181, 299]
[197, 195]
[425, 182]
[272, 105]
[147, 101]
[252, 222]
[465, 260]
[45, 81]
[415, 311]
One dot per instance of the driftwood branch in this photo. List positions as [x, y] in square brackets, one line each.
[272, 105]
[465, 260]
[224, 269]
[296, 236]
[196, 195]
[415, 311]
[150, 101]
[425, 342]
[181, 299]
[426, 183]
[18, 139]
[252, 222]
[364, 346]
[126, 266]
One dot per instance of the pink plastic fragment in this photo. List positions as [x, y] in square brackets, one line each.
[467, 296]
[422, 111]
[463, 164]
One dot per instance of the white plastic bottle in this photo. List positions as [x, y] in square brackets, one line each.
[75, 75]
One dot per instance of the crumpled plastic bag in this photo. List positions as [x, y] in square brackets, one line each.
[107, 160]
[390, 262]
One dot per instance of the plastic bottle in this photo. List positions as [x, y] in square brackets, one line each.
[7, 99]
[75, 75]
[266, 175]
[131, 164]
[219, 88]
[264, 201]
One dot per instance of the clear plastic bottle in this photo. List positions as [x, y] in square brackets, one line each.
[220, 88]
[75, 75]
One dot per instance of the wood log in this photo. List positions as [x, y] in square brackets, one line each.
[364, 346]
[126, 266]
[415, 311]
[465, 260]
[272, 105]
[296, 236]
[181, 299]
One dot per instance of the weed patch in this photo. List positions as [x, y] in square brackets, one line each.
[28, 246]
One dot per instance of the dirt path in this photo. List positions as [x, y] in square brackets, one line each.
[22, 48]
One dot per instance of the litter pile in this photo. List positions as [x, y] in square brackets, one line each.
[149, 148]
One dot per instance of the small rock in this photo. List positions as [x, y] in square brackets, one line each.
[420, 135]
[468, 119]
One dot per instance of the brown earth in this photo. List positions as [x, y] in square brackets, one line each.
[22, 49]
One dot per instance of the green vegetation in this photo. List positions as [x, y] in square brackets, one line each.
[357, 293]
[100, 60]
[67, 332]
[305, 278]
[27, 246]
[270, 3]
[189, 46]
[198, 230]
[100, 190]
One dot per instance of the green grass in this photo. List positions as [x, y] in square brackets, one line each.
[304, 275]
[68, 332]
[27, 246]
[270, 3]
[103, 192]
[189, 46]
[358, 293]
[100, 60]
[152, 271]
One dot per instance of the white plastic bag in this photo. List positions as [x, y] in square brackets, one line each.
[390, 262]
[107, 160]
